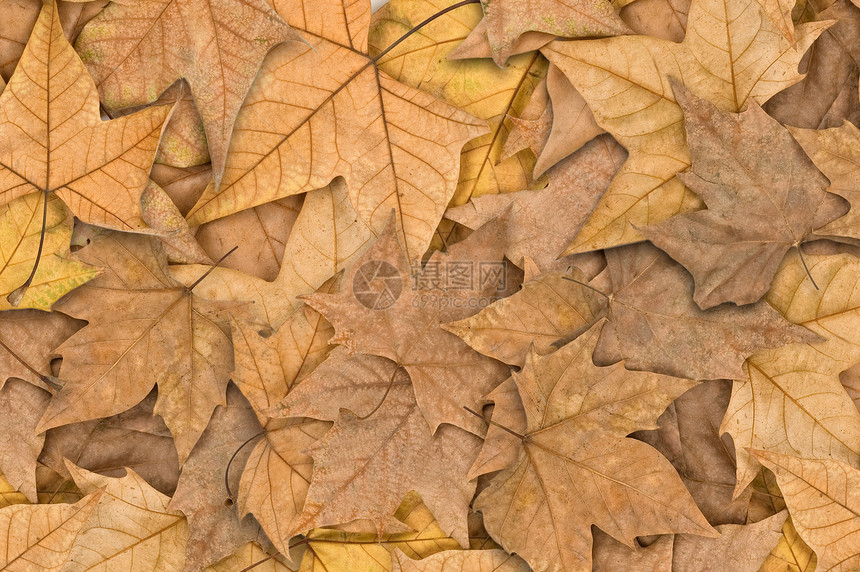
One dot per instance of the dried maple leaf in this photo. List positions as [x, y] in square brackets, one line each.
[731, 54]
[740, 548]
[789, 400]
[313, 253]
[40, 537]
[215, 528]
[508, 20]
[823, 497]
[666, 19]
[135, 50]
[828, 94]
[477, 86]
[384, 310]
[462, 561]
[653, 322]
[144, 329]
[501, 447]
[542, 223]
[21, 404]
[577, 468]
[333, 549]
[268, 365]
[377, 450]
[689, 436]
[764, 197]
[27, 340]
[54, 140]
[21, 227]
[836, 152]
[135, 438]
[131, 527]
[547, 309]
[250, 555]
[791, 554]
[336, 114]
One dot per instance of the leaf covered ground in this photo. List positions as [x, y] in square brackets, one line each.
[499, 285]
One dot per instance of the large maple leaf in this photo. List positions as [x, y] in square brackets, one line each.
[52, 138]
[576, 468]
[144, 329]
[324, 110]
[823, 498]
[764, 197]
[731, 53]
[386, 311]
[135, 49]
[789, 399]
[653, 322]
[378, 449]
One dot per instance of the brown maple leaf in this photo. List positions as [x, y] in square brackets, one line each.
[21, 404]
[135, 50]
[764, 197]
[507, 20]
[390, 311]
[54, 140]
[324, 110]
[27, 340]
[378, 449]
[576, 468]
[144, 329]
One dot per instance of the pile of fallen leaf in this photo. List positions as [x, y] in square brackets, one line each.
[508, 285]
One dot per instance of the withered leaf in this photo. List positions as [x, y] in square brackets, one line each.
[144, 329]
[576, 467]
[131, 527]
[27, 340]
[365, 464]
[654, 325]
[823, 498]
[731, 53]
[21, 405]
[507, 20]
[54, 140]
[461, 561]
[789, 399]
[836, 152]
[763, 193]
[135, 50]
[41, 536]
[307, 121]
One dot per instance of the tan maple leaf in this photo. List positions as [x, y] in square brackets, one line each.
[21, 405]
[836, 152]
[462, 561]
[477, 86]
[144, 329]
[666, 19]
[764, 197]
[823, 498]
[313, 253]
[542, 223]
[731, 53]
[27, 340]
[131, 527]
[789, 400]
[40, 537]
[828, 94]
[576, 468]
[54, 140]
[136, 49]
[339, 115]
[378, 449]
[387, 310]
[654, 325]
[508, 20]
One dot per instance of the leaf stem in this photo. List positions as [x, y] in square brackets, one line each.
[438, 14]
[805, 267]
[230, 499]
[214, 266]
[17, 295]
[499, 425]
[47, 381]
